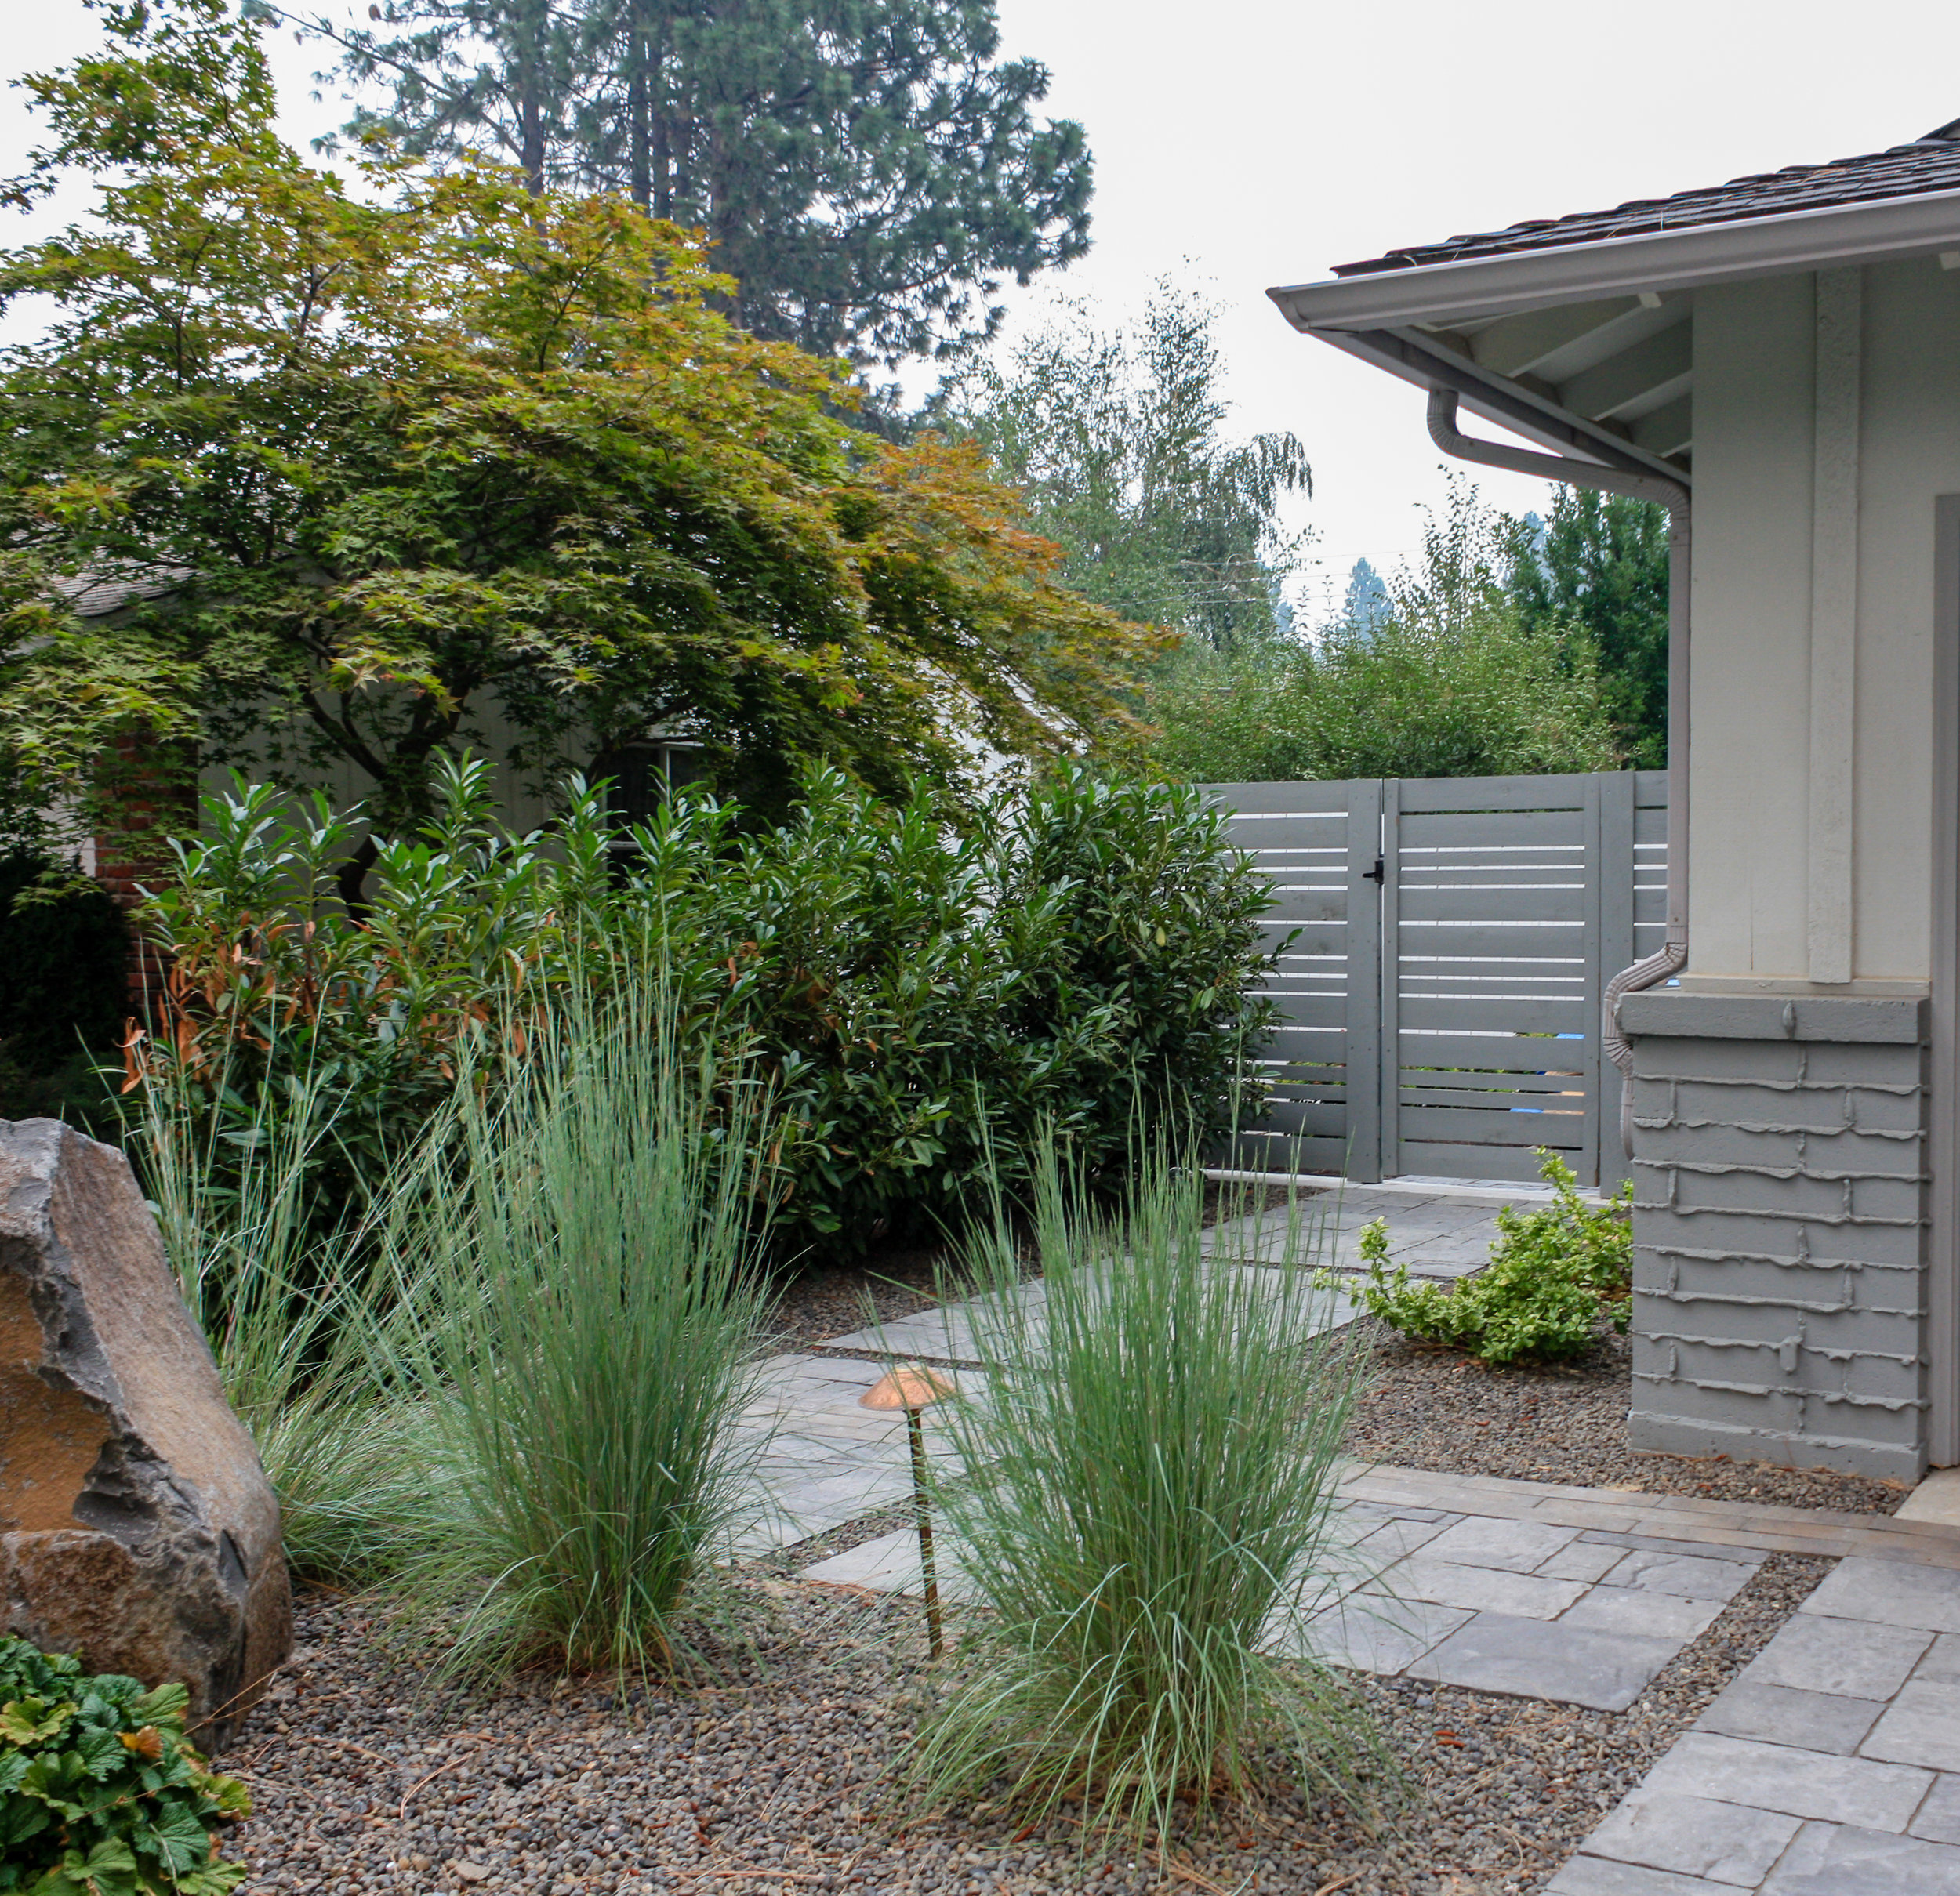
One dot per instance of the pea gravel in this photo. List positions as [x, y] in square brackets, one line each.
[767, 1780]
[1564, 1422]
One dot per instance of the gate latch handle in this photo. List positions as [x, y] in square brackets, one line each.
[1379, 872]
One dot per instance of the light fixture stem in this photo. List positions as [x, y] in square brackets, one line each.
[933, 1626]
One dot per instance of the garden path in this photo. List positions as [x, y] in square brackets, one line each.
[830, 1461]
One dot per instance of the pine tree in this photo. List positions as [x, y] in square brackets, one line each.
[867, 172]
[1600, 565]
[1366, 605]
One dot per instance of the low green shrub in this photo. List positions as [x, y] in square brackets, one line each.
[102, 1795]
[1554, 1274]
[1145, 1508]
[918, 996]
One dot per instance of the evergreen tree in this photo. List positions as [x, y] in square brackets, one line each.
[1599, 566]
[1366, 606]
[866, 170]
[1118, 439]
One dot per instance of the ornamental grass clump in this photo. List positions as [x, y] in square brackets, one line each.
[1145, 1513]
[99, 1794]
[588, 1246]
[1555, 1275]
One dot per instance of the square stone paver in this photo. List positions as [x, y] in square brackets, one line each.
[1891, 1594]
[1481, 1589]
[1370, 1632]
[1518, 1546]
[1396, 1539]
[1850, 1658]
[1942, 1660]
[1939, 1816]
[1921, 1726]
[1633, 1609]
[1582, 1560]
[1691, 1575]
[1861, 1791]
[1535, 1658]
[1780, 1715]
[1831, 1859]
[1695, 1836]
[890, 1564]
[1601, 1876]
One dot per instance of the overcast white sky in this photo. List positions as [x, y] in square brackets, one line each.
[1258, 142]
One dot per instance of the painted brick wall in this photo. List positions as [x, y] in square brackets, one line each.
[1779, 1217]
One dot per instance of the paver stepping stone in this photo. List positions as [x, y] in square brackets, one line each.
[1921, 1726]
[1598, 1877]
[1481, 1589]
[1533, 1658]
[1891, 1594]
[1860, 1791]
[1695, 1837]
[1519, 1546]
[1783, 1715]
[1633, 1609]
[1939, 1816]
[1370, 1633]
[1692, 1576]
[1848, 1657]
[1831, 1859]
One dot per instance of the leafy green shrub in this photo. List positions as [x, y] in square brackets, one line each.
[916, 994]
[64, 946]
[103, 1797]
[1553, 1273]
[1146, 1510]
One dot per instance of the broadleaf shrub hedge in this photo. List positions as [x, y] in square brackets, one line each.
[1087, 953]
[99, 1794]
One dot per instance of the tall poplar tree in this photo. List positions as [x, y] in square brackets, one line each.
[867, 171]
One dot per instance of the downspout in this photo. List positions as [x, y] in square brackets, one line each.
[1673, 956]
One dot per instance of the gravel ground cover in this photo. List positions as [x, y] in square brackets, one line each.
[1565, 1423]
[767, 1780]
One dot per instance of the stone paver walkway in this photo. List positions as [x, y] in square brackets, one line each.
[1830, 1767]
[1443, 1234]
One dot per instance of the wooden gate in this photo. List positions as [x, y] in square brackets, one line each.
[1451, 942]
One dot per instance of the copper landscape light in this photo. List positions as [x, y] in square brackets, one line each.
[911, 1387]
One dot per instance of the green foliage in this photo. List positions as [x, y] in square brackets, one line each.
[1448, 682]
[1553, 1273]
[303, 1318]
[385, 463]
[65, 948]
[99, 1794]
[1117, 439]
[866, 175]
[1145, 1508]
[1089, 951]
[1598, 569]
[585, 1244]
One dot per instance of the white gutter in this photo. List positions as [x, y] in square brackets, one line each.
[1691, 257]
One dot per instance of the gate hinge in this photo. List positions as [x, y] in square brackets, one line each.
[1380, 871]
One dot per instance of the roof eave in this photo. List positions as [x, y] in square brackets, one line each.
[1692, 257]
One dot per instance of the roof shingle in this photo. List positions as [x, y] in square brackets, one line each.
[1929, 164]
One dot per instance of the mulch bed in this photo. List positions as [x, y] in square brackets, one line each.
[770, 1780]
[1563, 1422]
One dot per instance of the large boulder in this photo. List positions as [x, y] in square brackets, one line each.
[136, 1527]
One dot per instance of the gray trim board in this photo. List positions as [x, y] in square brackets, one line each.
[1886, 1019]
[1942, 1246]
[1731, 251]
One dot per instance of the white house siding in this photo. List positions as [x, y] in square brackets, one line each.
[1781, 1113]
[1754, 450]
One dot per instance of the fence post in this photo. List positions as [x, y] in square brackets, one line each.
[1615, 951]
[1361, 1046]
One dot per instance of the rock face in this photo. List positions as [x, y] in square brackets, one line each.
[136, 1527]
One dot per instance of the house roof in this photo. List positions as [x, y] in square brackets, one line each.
[1928, 163]
[1577, 332]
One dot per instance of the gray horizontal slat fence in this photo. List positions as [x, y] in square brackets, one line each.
[1443, 1020]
